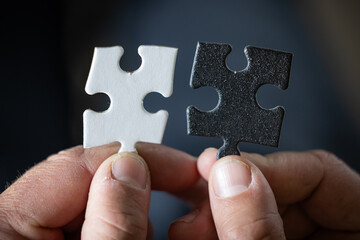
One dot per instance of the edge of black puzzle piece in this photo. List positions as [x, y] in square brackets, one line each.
[238, 116]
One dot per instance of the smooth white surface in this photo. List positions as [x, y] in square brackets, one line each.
[126, 121]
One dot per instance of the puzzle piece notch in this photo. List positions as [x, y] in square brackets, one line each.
[126, 120]
[238, 117]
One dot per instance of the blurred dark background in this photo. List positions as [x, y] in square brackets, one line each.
[47, 47]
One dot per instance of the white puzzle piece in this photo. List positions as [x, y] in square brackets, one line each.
[126, 121]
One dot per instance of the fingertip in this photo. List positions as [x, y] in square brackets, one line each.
[198, 224]
[106, 149]
[229, 177]
[171, 170]
[188, 218]
[93, 157]
[206, 161]
[129, 168]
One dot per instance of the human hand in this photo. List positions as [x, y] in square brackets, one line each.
[28, 209]
[54, 200]
[306, 195]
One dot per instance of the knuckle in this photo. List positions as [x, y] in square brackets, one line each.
[71, 153]
[326, 157]
[4, 216]
[10, 216]
[267, 227]
[126, 224]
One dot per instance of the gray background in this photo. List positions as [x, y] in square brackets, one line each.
[47, 50]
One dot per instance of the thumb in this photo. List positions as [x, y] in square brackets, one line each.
[119, 198]
[242, 202]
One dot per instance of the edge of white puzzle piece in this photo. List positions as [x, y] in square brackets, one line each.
[126, 121]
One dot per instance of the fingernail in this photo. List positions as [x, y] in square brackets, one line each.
[129, 169]
[189, 218]
[210, 149]
[230, 178]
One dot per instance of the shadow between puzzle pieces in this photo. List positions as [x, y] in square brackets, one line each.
[238, 116]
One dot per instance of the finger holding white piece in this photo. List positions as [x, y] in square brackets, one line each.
[119, 199]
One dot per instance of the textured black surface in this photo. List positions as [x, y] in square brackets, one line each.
[238, 117]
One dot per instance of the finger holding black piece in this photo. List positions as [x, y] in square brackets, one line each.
[242, 202]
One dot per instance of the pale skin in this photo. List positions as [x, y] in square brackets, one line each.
[98, 194]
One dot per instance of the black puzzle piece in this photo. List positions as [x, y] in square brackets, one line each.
[238, 117]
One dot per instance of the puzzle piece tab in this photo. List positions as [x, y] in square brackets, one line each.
[238, 117]
[126, 121]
